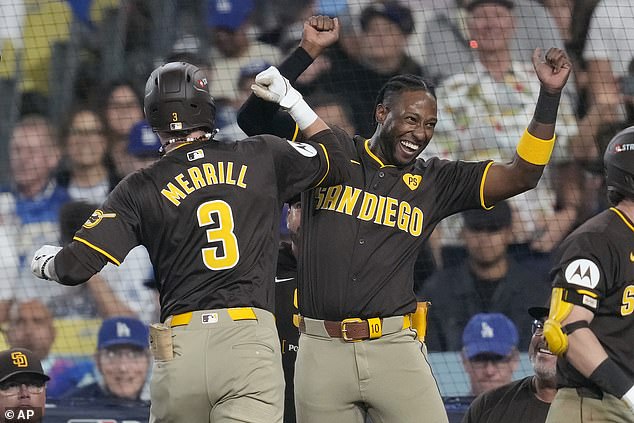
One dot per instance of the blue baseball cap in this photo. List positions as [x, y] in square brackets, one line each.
[229, 14]
[123, 331]
[489, 333]
[142, 141]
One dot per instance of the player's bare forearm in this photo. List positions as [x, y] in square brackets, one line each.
[536, 144]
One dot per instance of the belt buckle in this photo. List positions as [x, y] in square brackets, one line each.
[344, 331]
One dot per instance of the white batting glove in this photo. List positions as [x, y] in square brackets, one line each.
[271, 86]
[43, 265]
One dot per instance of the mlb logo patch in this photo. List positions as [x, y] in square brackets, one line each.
[176, 126]
[207, 318]
[195, 155]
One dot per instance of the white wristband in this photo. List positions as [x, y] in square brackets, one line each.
[629, 398]
[49, 270]
[302, 114]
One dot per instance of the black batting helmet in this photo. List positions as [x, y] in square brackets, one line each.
[618, 161]
[177, 99]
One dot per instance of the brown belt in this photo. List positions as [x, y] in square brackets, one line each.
[355, 329]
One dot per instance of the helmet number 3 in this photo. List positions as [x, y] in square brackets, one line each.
[224, 254]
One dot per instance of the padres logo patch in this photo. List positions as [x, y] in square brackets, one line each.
[96, 217]
[19, 359]
[412, 181]
[583, 272]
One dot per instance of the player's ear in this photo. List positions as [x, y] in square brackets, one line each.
[380, 113]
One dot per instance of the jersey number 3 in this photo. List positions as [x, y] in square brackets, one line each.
[218, 214]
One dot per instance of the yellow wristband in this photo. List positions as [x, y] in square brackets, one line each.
[535, 150]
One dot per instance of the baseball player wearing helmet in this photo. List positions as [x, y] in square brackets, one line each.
[357, 354]
[208, 213]
[591, 320]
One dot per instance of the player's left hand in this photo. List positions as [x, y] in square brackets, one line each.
[41, 263]
[553, 70]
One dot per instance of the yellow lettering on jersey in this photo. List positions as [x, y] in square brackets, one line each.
[210, 173]
[197, 177]
[348, 200]
[332, 194]
[320, 196]
[390, 212]
[627, 305]
[416, 223]
[402, 221]
[229, 180]
[386, 211]
[183, 183]
[201, 178]
[379, 210]
[368, 206]
[243, 171]
[221, 172]
[173, 194]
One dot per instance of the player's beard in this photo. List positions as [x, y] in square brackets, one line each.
[544, 370]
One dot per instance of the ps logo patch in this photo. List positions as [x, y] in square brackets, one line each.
[583, 272]
[96, 217]
[412, 181]
[304, 149]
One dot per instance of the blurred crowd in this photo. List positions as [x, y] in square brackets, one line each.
[72, 76]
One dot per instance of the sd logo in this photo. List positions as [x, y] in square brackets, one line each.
[412, 181]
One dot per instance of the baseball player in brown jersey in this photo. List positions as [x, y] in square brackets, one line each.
[286, 305]
[591, 320]
[357, 354]
[208, 214]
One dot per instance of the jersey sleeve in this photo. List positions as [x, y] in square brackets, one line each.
[582, 261]
[113, 229]
[317, 161]
[458, 184]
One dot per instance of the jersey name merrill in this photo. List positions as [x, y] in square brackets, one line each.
[380, 209]
[201, 176]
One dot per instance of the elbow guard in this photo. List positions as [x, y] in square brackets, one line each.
[553, 332]
[561, 303]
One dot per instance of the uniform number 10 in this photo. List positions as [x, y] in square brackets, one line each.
[221, 233]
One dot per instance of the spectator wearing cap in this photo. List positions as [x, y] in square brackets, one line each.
[487, 280]
[482, 111]
[382, 54]
[233, 45]
[489, 351]
[122, 360]
[446, 43]
[526, 400]
[143, 147]
[22, 384]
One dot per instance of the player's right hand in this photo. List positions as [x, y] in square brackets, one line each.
[319, 32]
[41, 265]
[271, 86]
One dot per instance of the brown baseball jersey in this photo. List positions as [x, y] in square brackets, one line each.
[599, 257]
[208, 214]
[361, 239]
